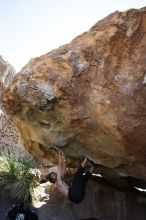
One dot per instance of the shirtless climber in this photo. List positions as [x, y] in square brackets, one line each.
[76, 191]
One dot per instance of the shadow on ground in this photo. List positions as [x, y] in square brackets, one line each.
[101, 201]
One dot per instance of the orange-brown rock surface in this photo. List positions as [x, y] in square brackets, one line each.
[88, 98]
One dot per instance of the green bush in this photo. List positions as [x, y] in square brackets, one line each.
[15, 176]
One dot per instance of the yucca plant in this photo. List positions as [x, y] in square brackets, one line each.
[15, 176]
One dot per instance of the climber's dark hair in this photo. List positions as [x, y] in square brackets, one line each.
[48, 177]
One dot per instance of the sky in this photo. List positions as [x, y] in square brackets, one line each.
[30, 28]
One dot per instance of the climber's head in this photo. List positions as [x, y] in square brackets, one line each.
[52, 177]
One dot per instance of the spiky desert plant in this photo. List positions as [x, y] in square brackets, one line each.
[15, 176]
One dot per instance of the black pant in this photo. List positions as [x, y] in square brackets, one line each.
[77, 190]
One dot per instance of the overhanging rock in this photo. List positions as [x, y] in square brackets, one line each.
[88, 98]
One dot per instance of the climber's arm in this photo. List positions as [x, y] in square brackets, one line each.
[62, 165]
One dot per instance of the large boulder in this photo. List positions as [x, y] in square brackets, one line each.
[87, 98]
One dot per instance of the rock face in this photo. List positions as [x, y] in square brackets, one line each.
[7, 73]
[87, 98]
[9, 140]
